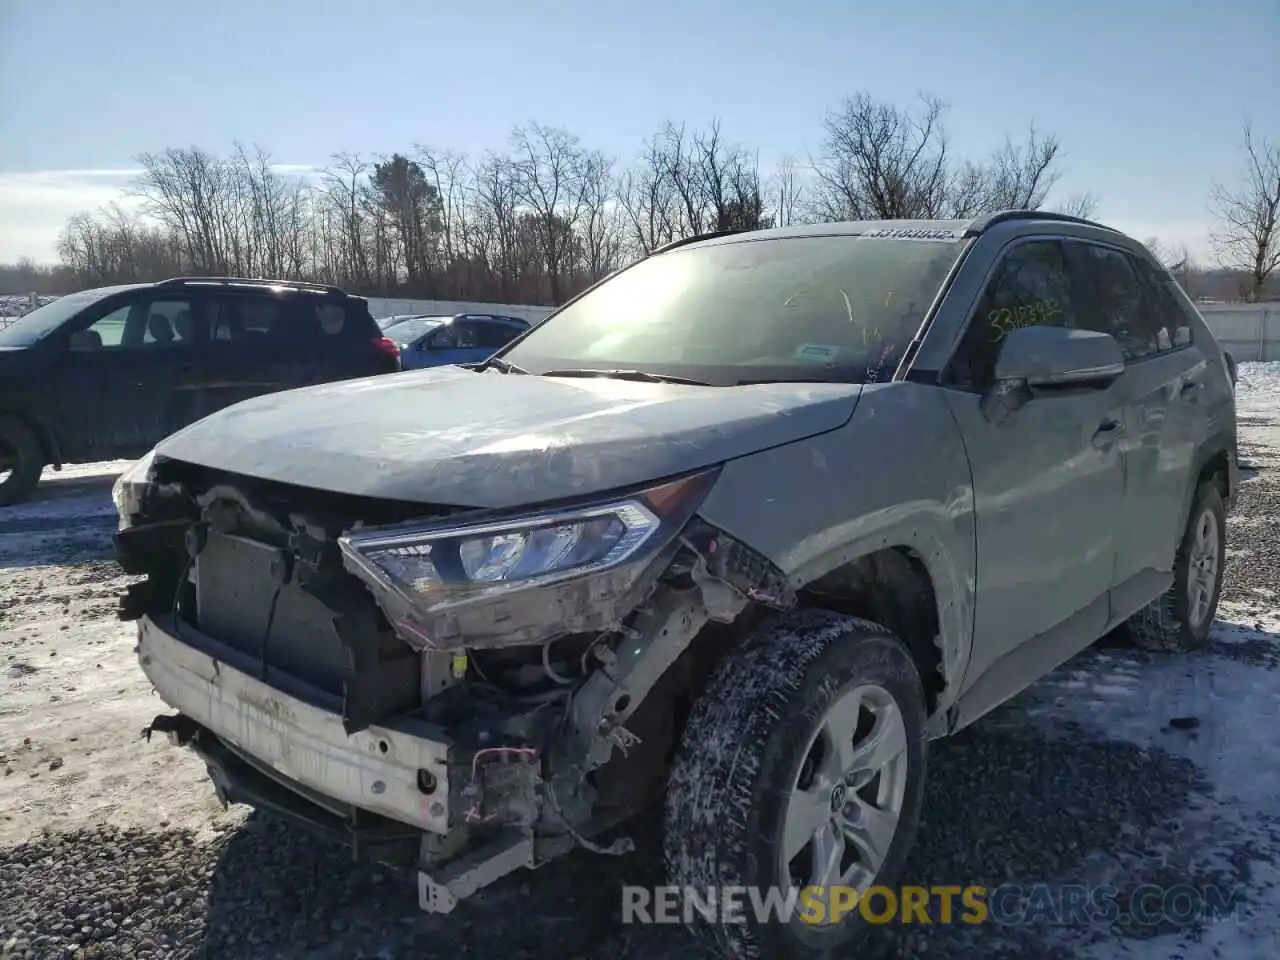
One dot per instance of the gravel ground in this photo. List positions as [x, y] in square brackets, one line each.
[110, 847]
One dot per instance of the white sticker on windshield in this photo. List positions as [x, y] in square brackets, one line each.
[816, 351]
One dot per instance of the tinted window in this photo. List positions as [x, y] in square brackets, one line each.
[1171, 314]
[495, 334]
[246, 319]
[1119, 307]
[141, 324]
[1030, 287]
[108, 331]
[459, 335]
[839, 308]
[298, 319]
[168, 322]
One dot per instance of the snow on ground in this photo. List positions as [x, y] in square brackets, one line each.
[1120, 768]
[1259, 386]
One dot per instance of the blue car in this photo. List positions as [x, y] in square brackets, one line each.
[465, 338]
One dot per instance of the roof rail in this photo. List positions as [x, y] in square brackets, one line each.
[252, 281]
[684, 241]
[987, 221]
[488, 316]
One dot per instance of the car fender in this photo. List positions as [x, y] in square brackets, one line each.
[1224, 441]
[896, 475]
[29, 408]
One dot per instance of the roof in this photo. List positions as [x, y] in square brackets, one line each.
[955, 229]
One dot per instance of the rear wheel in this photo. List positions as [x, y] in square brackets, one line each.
[802, 766]
[1182, 618]
[21, 461]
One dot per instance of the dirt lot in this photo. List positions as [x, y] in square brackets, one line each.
[1120, 768]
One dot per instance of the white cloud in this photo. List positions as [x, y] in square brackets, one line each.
[35, 206]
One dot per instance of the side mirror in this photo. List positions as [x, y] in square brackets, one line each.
[1055, 356]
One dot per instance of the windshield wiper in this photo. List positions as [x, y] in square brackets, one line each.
[504, 365]
[640, 375]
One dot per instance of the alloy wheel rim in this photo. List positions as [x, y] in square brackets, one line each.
[843, 811]
[1202, 567]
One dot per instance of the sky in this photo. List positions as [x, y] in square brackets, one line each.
[1147, 96]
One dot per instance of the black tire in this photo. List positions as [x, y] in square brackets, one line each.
[1166, 624]
[18, 439]
[743, 749]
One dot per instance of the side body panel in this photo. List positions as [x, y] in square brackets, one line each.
[896, 475]
[122, 399]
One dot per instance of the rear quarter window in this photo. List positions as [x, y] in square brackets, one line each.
[349, 319]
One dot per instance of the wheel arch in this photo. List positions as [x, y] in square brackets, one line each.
[40, 426]
[896, 586]
[1213, 463]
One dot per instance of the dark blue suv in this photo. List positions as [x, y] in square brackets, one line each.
[108, 373]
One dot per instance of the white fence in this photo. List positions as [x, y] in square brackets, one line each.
[1250, 331]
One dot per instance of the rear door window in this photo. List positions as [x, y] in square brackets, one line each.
[1117, 304]
[1171, 315]
[246, 320]
[494, 334]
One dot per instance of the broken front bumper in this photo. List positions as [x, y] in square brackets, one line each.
[298, 742]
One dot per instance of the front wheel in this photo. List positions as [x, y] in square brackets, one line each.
[1181, 619]
[21, 461]
[802, 766]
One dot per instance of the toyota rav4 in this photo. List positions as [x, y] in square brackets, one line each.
[736, 532]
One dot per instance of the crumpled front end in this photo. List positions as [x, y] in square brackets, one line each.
[471, 691]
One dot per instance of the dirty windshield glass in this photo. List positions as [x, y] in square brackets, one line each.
[840, 308]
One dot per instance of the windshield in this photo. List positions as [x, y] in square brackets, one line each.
[407, 331]
[839, 308]
[42, 321]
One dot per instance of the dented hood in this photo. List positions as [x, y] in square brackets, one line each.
[492, 440]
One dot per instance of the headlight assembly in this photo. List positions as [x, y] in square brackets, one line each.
[127, 491]
[437, 566]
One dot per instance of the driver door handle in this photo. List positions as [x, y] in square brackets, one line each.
[1190, 391]
[1107, 434]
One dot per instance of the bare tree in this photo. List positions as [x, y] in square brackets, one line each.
[649, 198]
[539, 221]
[343, 181]
[1246, 236]
[601, 226]
[1018, 176]
[1082, 205]
[879, 161]
[787, 194]
[547, 169]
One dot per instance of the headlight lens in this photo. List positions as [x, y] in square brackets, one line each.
[429, 568]
[126, 493]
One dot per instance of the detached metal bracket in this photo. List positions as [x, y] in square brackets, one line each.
[661, 633]
[440, 891]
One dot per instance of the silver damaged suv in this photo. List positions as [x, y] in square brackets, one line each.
[736, 532]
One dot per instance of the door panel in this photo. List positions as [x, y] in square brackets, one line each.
[1047, 470]
[1160, 397]
[252, 350]
[137, 382]
[1048, 488]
